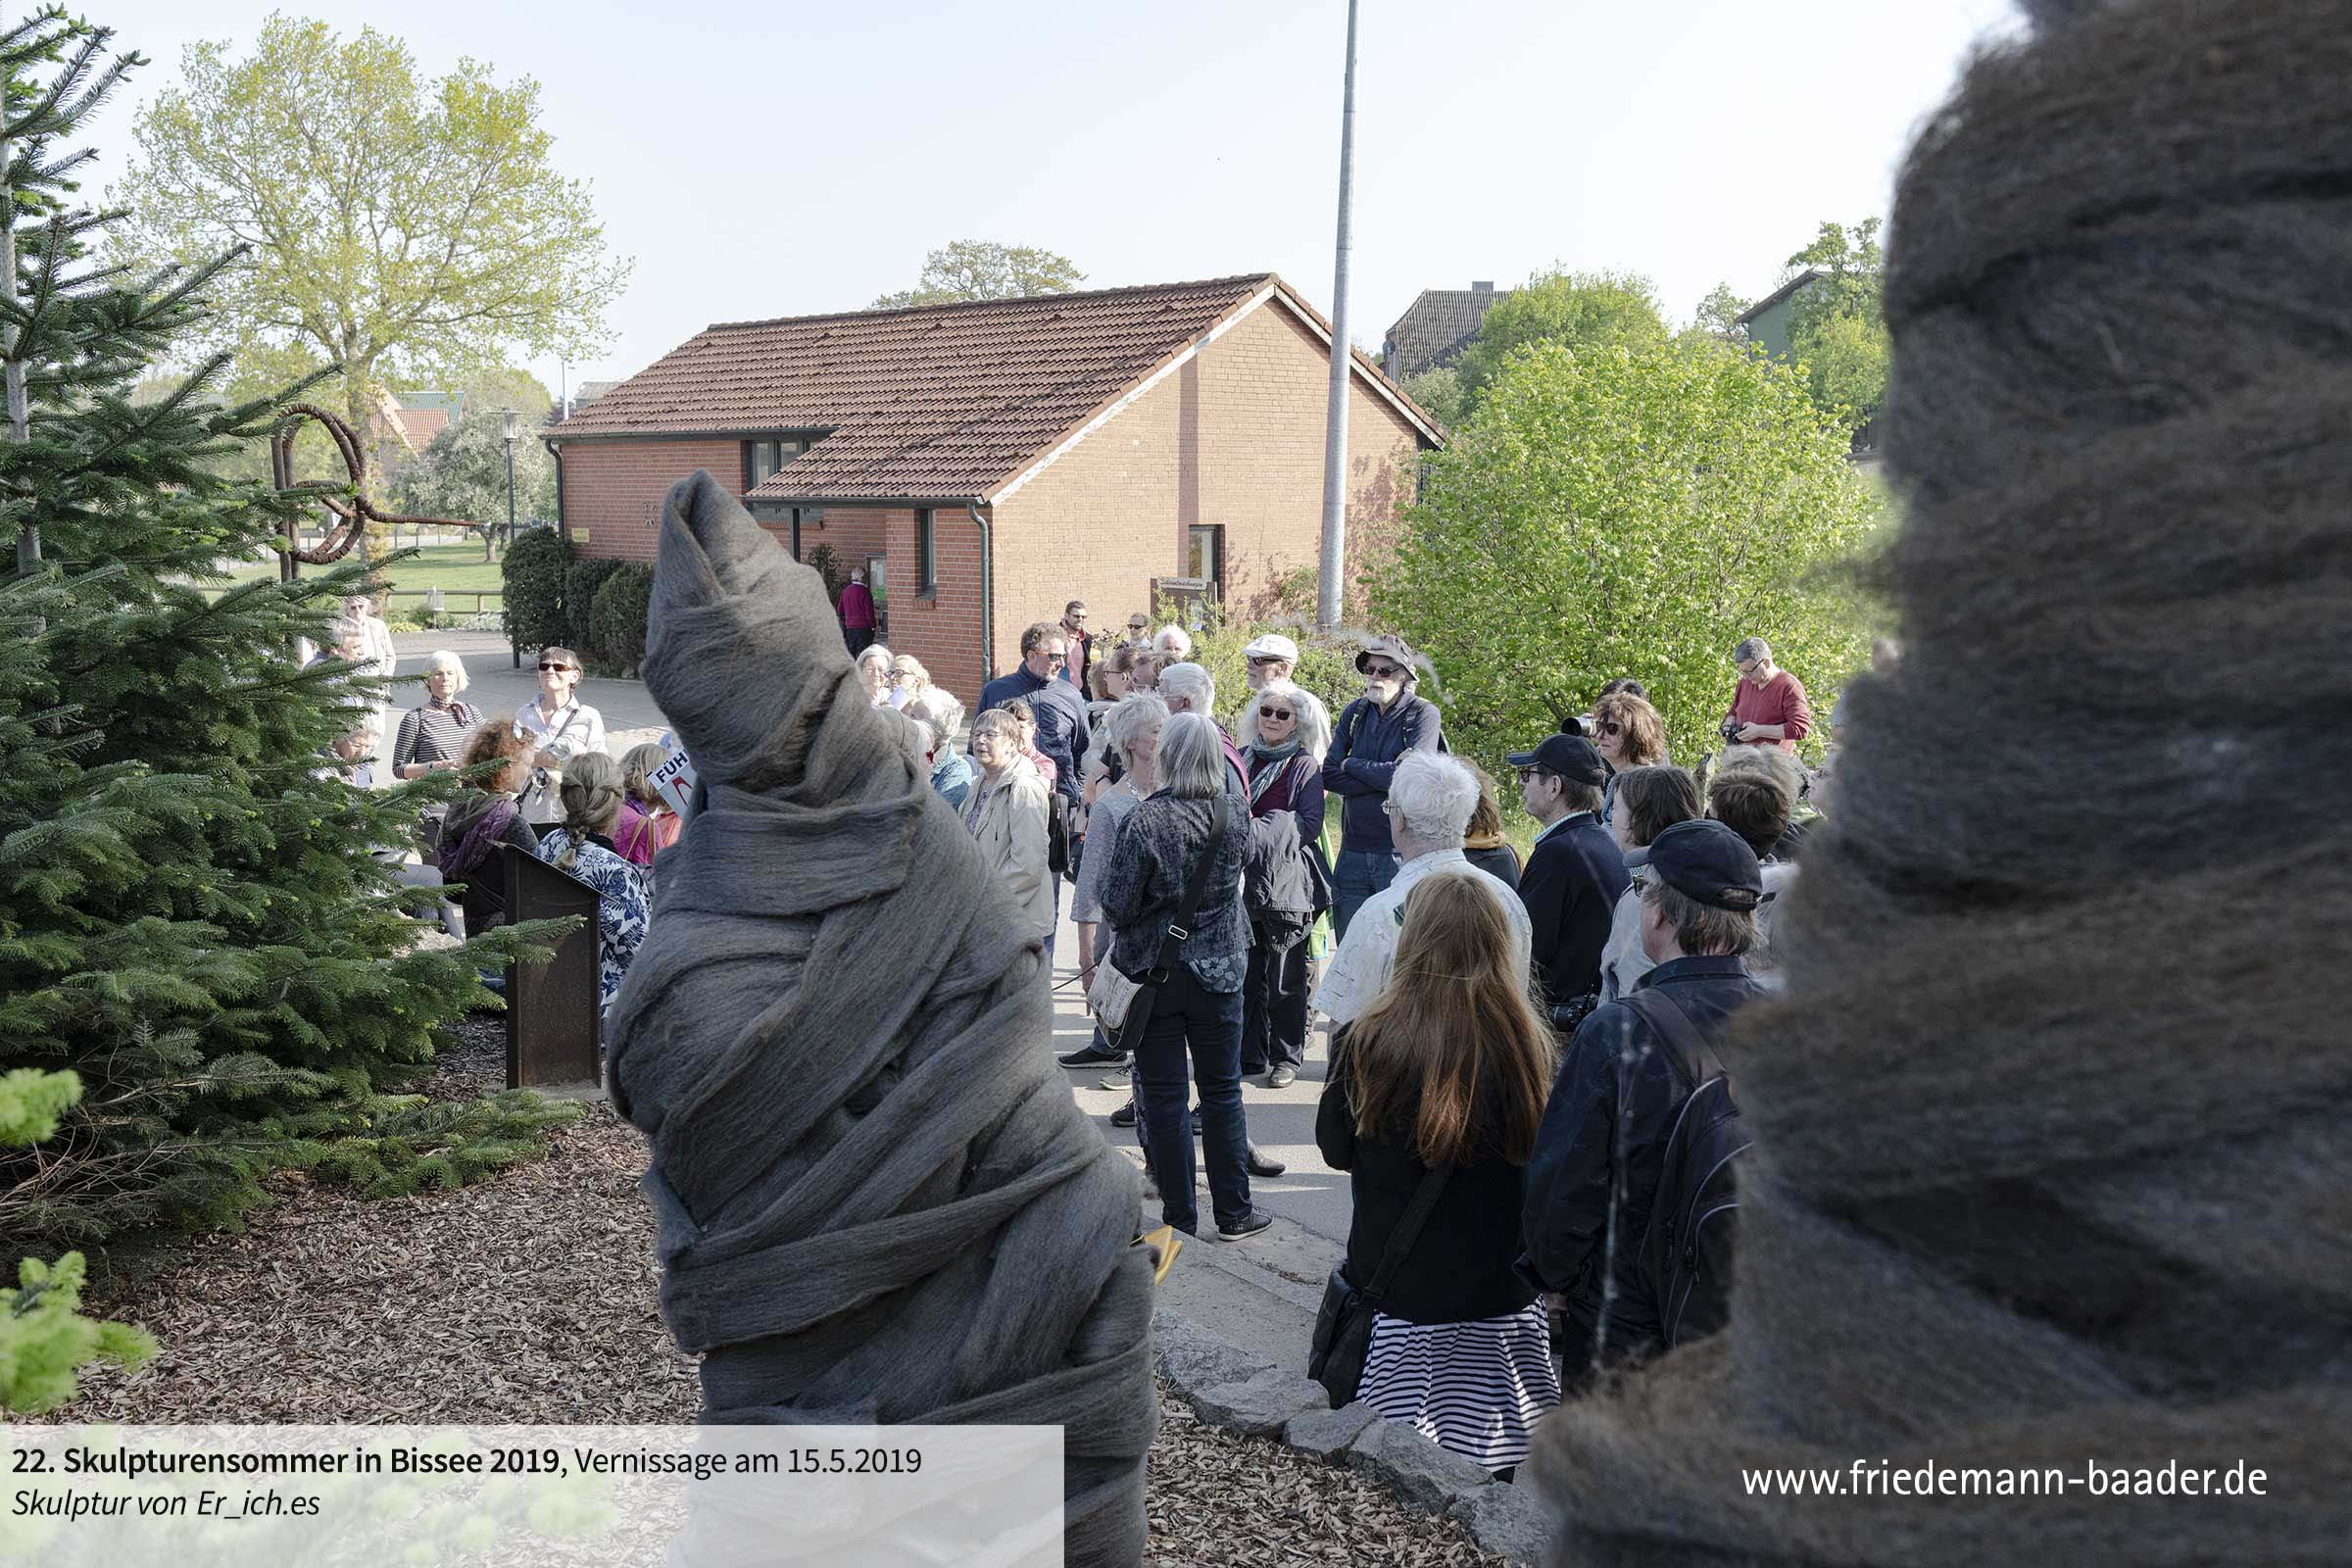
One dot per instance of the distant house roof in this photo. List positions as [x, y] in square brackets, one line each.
[937, 402]
[589, 391]
[422, 415]
[1808, 276]
[1435, 327]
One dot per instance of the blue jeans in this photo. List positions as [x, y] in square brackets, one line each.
[1186, 1017]
[1355, 875]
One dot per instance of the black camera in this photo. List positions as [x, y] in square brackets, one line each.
[1567, 1015]
[1730, 730]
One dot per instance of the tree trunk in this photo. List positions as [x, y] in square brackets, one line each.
[20, 407]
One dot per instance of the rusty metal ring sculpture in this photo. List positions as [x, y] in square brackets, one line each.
[347, 500]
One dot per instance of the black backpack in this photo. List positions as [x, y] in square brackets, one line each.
[1058, 834]
[1686, 1250]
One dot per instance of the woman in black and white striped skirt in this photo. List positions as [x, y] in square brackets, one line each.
[1449, 1068]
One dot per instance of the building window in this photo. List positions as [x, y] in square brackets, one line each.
[764, 458]
[926, 551]
[1204, 554]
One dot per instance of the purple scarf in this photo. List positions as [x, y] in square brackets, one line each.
[485, 830]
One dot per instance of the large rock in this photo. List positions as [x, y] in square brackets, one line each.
[1326, 1433]
[1418, 1470]
[1506, 1520]
[1261, 1406]
[1194, 1360]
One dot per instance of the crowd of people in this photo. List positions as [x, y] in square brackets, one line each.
[1503, 1056]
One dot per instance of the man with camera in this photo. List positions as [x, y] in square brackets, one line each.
[1574, 874]
[1768, 705]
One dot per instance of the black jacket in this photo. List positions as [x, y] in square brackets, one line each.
[1365, 745]
[1617, 1086]
[1460, 1268]
[1570, 886]
[1502, 863]
[1284, 886]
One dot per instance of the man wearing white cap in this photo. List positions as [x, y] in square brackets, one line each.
[1271, 657]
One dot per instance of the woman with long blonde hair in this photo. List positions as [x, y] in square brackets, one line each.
[1447, 1071]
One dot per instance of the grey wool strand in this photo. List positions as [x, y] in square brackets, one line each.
[2054, 1123]
[877, 1201]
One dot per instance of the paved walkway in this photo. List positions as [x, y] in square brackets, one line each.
[1311, 1195]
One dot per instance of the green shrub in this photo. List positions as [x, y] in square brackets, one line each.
[1326, 665]
[617, 617]
[826, 565]
[533, 577]
[580, 584]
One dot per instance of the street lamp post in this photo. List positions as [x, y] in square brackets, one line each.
[514, 430]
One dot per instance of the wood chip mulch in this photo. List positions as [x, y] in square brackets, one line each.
[531, 1297]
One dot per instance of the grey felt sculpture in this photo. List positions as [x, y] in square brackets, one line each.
[876, 1199]
[2055, 1126]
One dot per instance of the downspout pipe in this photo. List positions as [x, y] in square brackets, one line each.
[988, 622]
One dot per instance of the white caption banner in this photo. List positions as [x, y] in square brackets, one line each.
[287, 1497]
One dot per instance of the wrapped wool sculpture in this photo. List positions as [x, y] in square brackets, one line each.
[876, 1199]
[2055, 1125]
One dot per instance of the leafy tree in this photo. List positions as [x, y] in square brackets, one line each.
[1439, 389]
[983, 269]
[390, 219]
[1718, 316]
[1623, 511]
[193, 920]
[1581, 310]
[462, 473]
[1838, 325]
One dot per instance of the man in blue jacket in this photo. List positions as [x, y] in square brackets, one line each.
[1373, 732]
[1060, 712]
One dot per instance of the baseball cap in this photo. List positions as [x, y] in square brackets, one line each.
[1272, 644]
[1571, 756]
[1705, 861]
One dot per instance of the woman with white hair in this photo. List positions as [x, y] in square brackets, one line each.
[1173, 645]
[1197, 1010]
[1008, 816]
[873, 672]
[375, 640]
[1129, 734]
[1282, 734]
[432, 735]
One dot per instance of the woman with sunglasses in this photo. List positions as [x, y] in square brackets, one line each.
[1282, 734]
[563, 727]
[1628, 733]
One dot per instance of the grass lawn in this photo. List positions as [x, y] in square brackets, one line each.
[452, 569]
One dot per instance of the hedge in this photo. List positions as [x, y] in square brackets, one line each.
[534, 576]
[617, 617]
[580, 584]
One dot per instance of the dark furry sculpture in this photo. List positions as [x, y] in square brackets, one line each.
[2056, 1123]
[877, 1201]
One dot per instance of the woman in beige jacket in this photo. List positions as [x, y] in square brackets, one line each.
[1007, 815]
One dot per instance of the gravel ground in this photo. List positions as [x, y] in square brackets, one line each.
[532, 1299]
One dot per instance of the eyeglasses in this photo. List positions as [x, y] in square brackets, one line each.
[1611, 726]
[1383, 671]
[543, 668]
[1526, 773]
[1057, 656]
[1265, 659]
[1752, 666]
[1273, 713]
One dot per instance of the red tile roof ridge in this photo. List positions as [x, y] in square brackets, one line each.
[1234, 282]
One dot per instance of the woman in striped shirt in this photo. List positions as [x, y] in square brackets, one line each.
[1448, 1070]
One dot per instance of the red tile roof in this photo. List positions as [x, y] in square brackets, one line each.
[940, 402]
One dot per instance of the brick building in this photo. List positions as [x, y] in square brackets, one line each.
[992, 461]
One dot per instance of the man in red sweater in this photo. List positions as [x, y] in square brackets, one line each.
[1768, 706]
[858, 613]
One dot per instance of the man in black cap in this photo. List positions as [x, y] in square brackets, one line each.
[1622, 1081]
[1573, 876]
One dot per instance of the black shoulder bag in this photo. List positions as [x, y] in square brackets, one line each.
[1344, 1322]
[1146, 993]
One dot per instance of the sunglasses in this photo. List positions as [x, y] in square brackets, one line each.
[1383, 671]
[544, 667]
[1611, 726]
[1265, 659]
[1273, 713]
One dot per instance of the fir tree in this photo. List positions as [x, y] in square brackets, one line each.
[191, 919]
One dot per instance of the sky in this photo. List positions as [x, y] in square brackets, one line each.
[780, 159]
